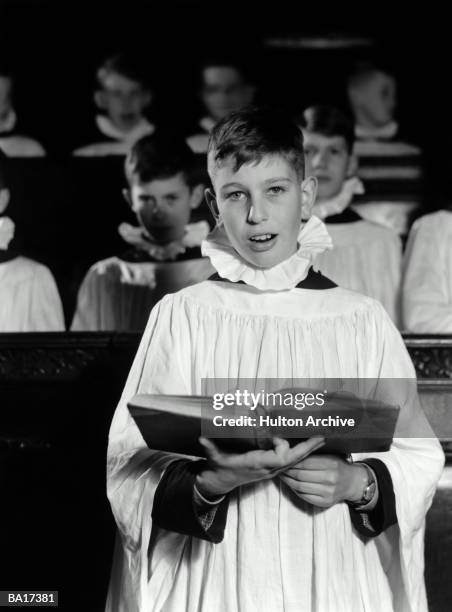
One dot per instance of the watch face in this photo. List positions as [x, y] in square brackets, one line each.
[369, 491]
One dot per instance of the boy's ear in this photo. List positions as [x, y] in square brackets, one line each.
[4, 199]
[197, 194]
[352, 167]
[127, 197]
[212, 203]
[308, 195]
[99, 99]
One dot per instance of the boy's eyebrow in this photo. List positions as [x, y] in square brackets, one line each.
[276, 179]
[228, 185]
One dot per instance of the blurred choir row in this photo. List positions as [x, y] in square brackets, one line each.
[369, 189]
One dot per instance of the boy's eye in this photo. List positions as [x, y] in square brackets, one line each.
[276, 189]
[308, 151]
[235, 196]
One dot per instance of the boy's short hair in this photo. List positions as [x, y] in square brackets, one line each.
[225, 60]
[329, 121]
[125, 66]
[161, 156]
[248, 135]
[363, 72]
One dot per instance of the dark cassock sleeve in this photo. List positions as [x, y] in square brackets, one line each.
[371, 523]
[178, 506]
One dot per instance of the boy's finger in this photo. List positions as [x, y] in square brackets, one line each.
[211, 449]
[302, 449]
[280, 445]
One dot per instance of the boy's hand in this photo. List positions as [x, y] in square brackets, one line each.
[230, 470]
[325, 480]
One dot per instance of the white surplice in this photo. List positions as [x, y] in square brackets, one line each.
[118, 295]
[278, 553]
[367, 258]
[29, 299]
[427, 286]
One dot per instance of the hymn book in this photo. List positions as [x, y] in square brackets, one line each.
[174, 423]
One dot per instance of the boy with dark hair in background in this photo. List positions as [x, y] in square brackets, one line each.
[389, 165]
[118, 293]
[122, 96]
[366, 257]
[225, 87]
[12, 142]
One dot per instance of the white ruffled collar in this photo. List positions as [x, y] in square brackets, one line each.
[313, 239]
[336, 205]
[6, 232]
[105, 125]
[137, 237]
[386, 132]
[207, 124]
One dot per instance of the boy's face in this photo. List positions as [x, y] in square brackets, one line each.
[224, 91]
[261, 206]
[163, 206]
[328, 159]
[123, 100]
[375, 100]
[5, 97]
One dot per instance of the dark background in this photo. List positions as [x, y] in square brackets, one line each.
[55, 46]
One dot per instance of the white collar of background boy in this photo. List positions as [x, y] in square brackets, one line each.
[7, 228]
[143, 128]
[207, 124]
[7, 225]
[386, 132]
[8, 123]
[334, 206]
[313, 239]
[137, 237]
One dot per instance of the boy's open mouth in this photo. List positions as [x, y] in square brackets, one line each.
[262, 242]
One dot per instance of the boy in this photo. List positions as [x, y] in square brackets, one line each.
[276, 529]
[383, 156]
[118, 293]
[12, 142]
[29, 297]
[366, 257]
[122, 97]
[224, 88]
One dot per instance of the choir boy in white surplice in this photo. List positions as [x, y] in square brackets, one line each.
[366, 257]
[12, 141]
[122, 97]
[427, 283]
[225, 87]
[164, 253]
[279, 529]
[29, 298]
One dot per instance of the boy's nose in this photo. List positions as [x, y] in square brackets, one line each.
[155, 207]
[320, 160]
[257, 212]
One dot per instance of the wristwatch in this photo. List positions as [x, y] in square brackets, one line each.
[369, 490]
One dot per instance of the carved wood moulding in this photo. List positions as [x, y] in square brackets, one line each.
[59, 355]
[64, 355]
